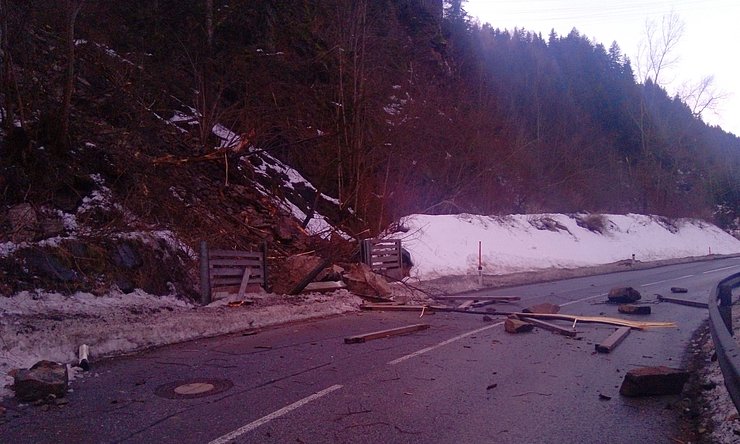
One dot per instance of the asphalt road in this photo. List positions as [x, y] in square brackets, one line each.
[463, 380]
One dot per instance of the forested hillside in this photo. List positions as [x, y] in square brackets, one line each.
[391, 106]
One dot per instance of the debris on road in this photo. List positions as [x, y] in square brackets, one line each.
[640, 325]
[679, 290]
[465, 304]
[683, 302]
[44, 380]
[623, 295]
[384, 333]
[610, 343]
[516, 325]
[479, 298]
[547, 325]
[653, 381]
[634, 309]
[545, 307]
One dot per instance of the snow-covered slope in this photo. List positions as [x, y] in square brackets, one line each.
[449, 244]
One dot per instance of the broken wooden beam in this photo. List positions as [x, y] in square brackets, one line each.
[480, 298]
[634, 309]
[679, 290]
[466, 304]
[548, 326]
[385, 333]
[392, 307]
[610, 343]
[650, 381]
[683, 302]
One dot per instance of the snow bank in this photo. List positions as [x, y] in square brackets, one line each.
[447, 245]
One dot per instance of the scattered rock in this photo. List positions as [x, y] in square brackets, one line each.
[624, 295]
[544, 308]
[604, 397]
[651, 381]
[634, 309]
[487, 318]
[44, 380]
[513, 325]
[679, 290]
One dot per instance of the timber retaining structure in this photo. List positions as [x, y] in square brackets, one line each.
[720, 323]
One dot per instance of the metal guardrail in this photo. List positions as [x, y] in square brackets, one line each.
[720, 323]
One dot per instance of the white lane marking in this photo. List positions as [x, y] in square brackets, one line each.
[720, 269]
[654, 283]
[443, 343]
[465, 335]
[668, 280]
[584, 299]
[265, 419]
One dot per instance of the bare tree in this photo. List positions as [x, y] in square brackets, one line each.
[701, 96]
[72, 8]
[656, 53]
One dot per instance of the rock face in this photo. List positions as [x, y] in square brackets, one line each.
[361, 279]
[23, 222]
[43, 379]
[624, 295]
[651, 381]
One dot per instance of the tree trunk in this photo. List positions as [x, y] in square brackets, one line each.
[73, 8]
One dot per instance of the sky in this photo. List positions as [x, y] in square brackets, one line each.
[708, 46]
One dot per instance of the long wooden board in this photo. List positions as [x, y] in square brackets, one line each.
[479, 298]
[684, 302]
[548, 326]
[610, 343]
[385, 333]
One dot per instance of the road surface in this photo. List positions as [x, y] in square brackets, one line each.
[463, 380]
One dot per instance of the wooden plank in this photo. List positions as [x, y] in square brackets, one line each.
[234, 253]
[610, 343]
[223, 272]
[371, 306]
[385, 333]
[479, 298]
[465, 305]
[548, 326]
[243, 286]
[683, 302]
[238, 262]
[236, 282]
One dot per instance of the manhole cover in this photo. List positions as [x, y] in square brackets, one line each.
[194, 388]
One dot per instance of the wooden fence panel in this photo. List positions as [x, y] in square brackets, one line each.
[231, 271]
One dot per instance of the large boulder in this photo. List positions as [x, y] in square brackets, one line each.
[361, 280]
[293, 270]
[623, 295]
[43, 379]
[653, 381]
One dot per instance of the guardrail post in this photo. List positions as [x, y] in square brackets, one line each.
[724, 295]
[205, 276]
